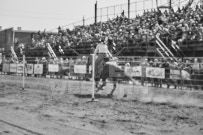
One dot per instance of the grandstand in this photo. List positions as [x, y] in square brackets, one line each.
[165, 31]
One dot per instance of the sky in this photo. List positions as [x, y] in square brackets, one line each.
[49, 14]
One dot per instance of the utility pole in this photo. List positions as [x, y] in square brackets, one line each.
[83, 20]
[95, 12]
[170, 4]
[128, 9]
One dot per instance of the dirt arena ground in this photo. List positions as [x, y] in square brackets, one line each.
[60, 107]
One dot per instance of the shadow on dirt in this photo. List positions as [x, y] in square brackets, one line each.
[90, 96]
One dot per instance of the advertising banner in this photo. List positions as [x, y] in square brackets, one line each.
[80, 69]
[29, 68]
[53, 68]
[38, 68]
[20, 68]
[13, 68]
[153, 72]
[134, 71]
[175, 74]
[6, 68]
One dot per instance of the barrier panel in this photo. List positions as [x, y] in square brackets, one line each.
[53, 68]
[175, 74]
[187, 75]
[38, 69]
[153, 72]
[20, 68]
[6, 68]
[135, 71]
[29, 68]
[13, 68]
[80, 69]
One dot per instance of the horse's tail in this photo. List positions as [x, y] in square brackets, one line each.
[130, 78]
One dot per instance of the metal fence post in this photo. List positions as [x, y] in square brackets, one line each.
[23, 72]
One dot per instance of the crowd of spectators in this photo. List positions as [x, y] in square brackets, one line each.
[182, 25]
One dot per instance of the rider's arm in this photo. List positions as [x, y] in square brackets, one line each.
[110, 55]
[96, 50]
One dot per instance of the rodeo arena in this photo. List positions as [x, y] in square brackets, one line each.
[126, 72]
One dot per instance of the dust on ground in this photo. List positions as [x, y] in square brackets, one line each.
[51, 106]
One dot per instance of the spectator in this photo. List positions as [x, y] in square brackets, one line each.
[165, 64]
[156, 64]
[45, 67]
[196, 74]
[144, 64]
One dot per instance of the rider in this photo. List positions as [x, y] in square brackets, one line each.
[101, 54]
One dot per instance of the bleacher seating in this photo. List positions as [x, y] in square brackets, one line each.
[182, 27]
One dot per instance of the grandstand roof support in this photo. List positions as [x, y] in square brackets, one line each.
[83, 20]
[170, 4]
[95, 12]
[128, 9]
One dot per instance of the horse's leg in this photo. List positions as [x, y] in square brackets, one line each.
[96, 82]
[103, 84]
[103, 77]
[114, 87]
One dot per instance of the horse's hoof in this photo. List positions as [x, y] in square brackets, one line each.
[125, 95]
[134, 83]
[109, 95]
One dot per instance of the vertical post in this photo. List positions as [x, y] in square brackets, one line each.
[157, 4]
[135, 9]
[93, 73]
[128, 9]
[93, 81]
[114, 12]
[83, 20]
[107, 10]
[95, 12]
[101, 15]
[121, 9]
[13, 38]
[170, 5]
[152, 4]
[179, 3]
[23, 72]
[13, 44]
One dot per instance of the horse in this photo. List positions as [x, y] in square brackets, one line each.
[106, 73]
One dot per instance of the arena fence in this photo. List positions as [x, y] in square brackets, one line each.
[147, 71]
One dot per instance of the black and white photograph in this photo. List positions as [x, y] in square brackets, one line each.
[101, 67]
